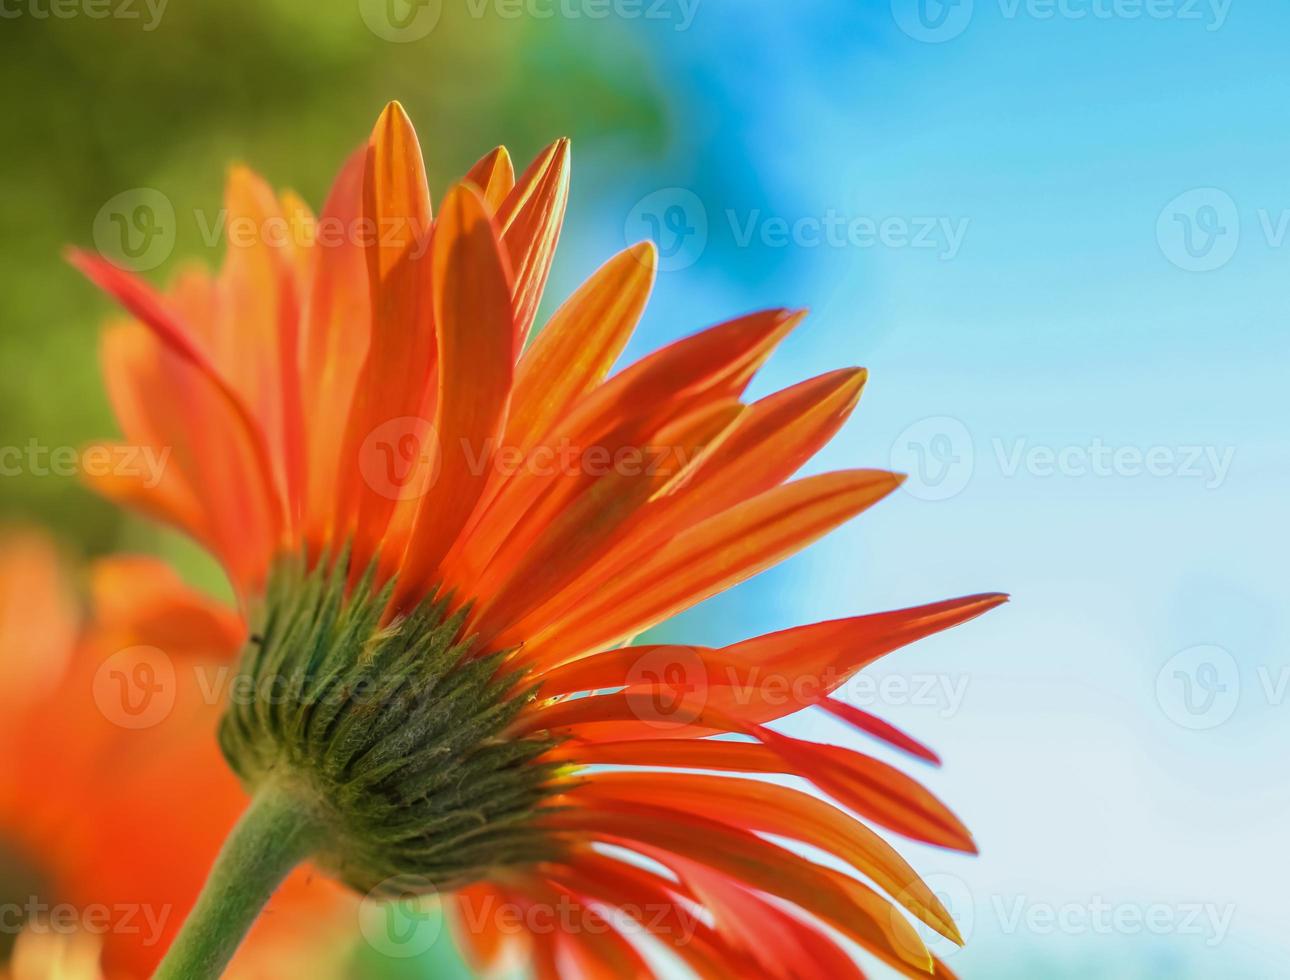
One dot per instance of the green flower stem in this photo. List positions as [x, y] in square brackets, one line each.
[274, 835]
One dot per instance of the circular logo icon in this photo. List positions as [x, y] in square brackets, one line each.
[1199, 231]
[136, 229]
[400, 21]
[676, 221]
[670, 686]
[1199, 687]
[932, 21]
[938, 456]
[400, 917]
[400, 458]
[136, 687]
[956, 899]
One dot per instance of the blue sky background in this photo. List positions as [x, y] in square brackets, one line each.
[1130, 825]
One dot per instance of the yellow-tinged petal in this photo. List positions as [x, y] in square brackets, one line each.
[333, 344]
[475, 327]
[494, 175]
[529, 223]
[785, 812]
[392, 387]
[705, 560]
[579, 345]
[844, 903]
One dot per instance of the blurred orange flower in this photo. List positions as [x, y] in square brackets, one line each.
[359, 389]
[119, 804]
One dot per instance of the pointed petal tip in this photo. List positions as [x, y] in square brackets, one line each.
[392, 118]
[645, 251]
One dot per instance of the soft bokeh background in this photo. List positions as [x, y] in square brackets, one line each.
[1055, 232]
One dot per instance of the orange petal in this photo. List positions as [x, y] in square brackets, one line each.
[255, 342]
[395, 378]
[782, 811]
[774, 438]
[661, 906]
[471, 914]
[844, 903]
[145, 598]
[705, 560]
[189, 448]
[144, 303]
[572, 534]
[872, 789]
[709, 367]
[334, 343]
[494, 175]
[593, 948]
[529, 224]
[475, 329]
[576, 349]
[875, 726]
[782, 944]
[38, 618]
[713, 364]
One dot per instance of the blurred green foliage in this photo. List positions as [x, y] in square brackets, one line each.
[96, 107]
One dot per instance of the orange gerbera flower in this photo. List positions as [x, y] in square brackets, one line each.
[85, 772]
[442, 533]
